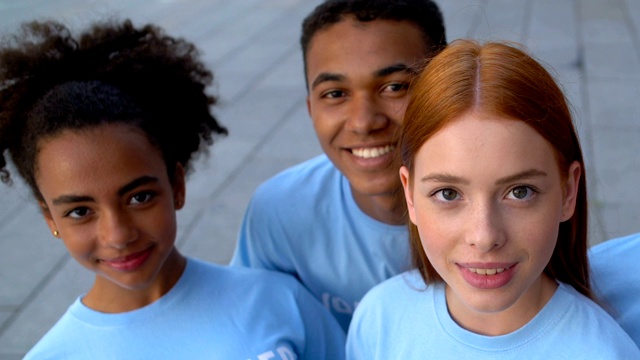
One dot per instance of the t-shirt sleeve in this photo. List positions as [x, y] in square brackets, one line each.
[324, 338]
[260, 236]
[361, 332]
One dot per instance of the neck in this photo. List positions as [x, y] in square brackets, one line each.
[387, 208]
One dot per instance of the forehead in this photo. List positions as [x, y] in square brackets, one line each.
[98, 157]
[350, 46]
[485, 145]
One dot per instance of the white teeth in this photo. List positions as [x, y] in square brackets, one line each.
[367, 153]
[486, 271]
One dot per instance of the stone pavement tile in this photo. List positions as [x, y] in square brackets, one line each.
[618, 170]
[31, 253]
[615, 104]
[222, 43]
[459, 16]
[14, 198]
[619, 219]
[503, 20]
[597, 232]
[43, 310]
[609, 46]
[212, 236]
[289, 72]
[294, 139]
[616, 61]
[4, 315]
[553, 32]
[603, 21]
[255, 115]
[632, 9]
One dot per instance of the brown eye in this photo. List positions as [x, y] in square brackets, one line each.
[142, 197]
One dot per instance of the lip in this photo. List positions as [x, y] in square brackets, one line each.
[488, 281]
[129, 262]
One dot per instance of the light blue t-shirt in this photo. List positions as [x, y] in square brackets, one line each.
[615, 278]
[212, 312]
[305, 222]
[403, 318]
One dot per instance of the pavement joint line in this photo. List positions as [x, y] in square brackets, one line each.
[586, 121]
[526, 22]
[37, 289]
[632, 27]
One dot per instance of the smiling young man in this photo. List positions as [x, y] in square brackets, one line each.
[336, 222]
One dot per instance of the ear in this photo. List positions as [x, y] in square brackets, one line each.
[48, 218]
[408, 192]
[309, 105]
[179, 187]
[571, 187]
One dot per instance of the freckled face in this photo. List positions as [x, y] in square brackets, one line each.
[358, 77]
[488, 198]
[107, 192]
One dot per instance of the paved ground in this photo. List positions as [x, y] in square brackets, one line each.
[594, 45]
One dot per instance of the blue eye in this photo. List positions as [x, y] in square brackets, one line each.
[521, 193]
[446, 195]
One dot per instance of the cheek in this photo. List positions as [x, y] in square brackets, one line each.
[326, 123]
[396, 108]
[437, 233]
[79, 244]
[163, 224]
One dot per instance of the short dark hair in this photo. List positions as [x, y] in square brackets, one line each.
[111, 73]
[423, 13]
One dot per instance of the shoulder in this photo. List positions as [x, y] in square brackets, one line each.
[303, 177]
[244, 278]
[392, 297]
[391, 316]
[58, 342]
[624, 249]
[591, 327]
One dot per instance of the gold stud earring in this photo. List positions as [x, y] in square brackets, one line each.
[56, 233]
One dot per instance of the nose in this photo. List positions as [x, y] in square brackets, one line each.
[116, 229]
[485, 228]
[366, 114]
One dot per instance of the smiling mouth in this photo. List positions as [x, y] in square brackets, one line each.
[373, 152]
[487, 272]
[129, 262]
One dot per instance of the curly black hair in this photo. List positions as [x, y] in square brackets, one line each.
[423, 13]
[113, 72]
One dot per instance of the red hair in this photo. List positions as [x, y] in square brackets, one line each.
[501, 80]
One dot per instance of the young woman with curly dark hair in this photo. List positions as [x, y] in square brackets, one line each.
[103, 127]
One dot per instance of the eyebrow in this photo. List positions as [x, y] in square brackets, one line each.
[69, 199]
[386, 71]
[452, 179]
[445, 178]
[527, 174]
